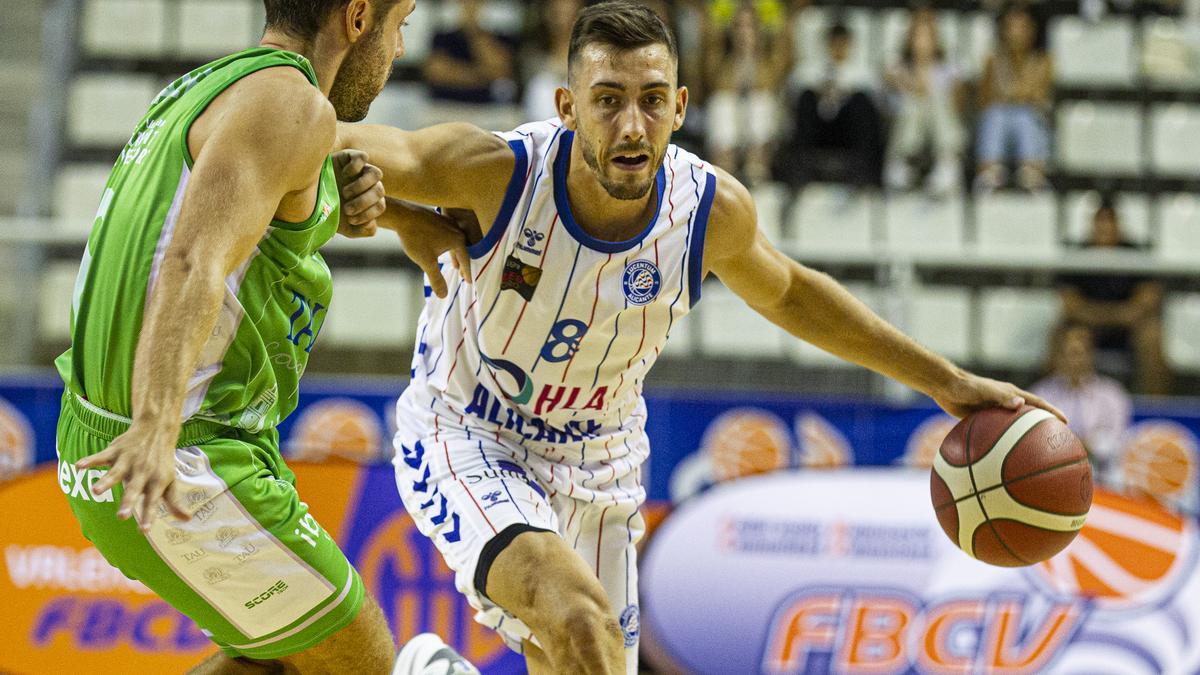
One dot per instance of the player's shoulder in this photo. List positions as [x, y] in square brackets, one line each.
[282, 102]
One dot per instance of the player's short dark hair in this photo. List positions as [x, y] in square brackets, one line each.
[621, 24]
[303, 18]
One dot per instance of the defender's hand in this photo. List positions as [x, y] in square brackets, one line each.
[968, 393]
[425, 236]
[145, 463]
[360, 186]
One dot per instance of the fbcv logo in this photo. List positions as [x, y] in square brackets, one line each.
[103, 623]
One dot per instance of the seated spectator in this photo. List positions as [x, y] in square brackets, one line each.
[927, 88]
[838, 130]
[1014, 96]
[748, 54]
[1098, 407]
[547, 67]
[1124, 310]
[468, 64]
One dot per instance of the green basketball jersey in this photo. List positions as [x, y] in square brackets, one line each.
[275, 301]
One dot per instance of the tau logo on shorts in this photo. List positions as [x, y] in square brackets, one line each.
[642, 282]
[631, 625]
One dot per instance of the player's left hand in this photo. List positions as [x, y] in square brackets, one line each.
[968, 393]
[360, 186]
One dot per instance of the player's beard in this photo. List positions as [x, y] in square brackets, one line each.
[619, 189]
[361, 77]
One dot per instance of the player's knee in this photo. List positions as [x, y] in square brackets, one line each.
[362, 646]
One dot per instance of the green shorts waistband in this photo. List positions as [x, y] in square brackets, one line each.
[108, 425]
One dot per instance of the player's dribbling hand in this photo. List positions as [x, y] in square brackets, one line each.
[145, 463]
[968, 393]
[360, 186]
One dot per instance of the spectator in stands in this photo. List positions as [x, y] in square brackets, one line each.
[1014, 97]
[1098, 407]
[546, 69]
[748, 54]
[1124, 310]
[928, 91]
[468, 64]
[838, 130]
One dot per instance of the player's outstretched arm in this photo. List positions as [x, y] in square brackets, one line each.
[271, 139]
[454, 165]
[815, 308]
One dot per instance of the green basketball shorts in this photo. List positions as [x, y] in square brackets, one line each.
[252, 567]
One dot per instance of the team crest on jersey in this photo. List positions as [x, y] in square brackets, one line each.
[520, 277]
[532, 239]
[642, 282]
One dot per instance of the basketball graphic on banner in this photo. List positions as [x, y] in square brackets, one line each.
[341, 427]
[745, 442]
[1159, 461]
[16, 441]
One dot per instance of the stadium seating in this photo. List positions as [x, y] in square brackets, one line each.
[1016, 224]
[1181, 319]
[731, 329]
[135, 28]
[1175, 144]
[1093, 53]
[940, 318]
[978, 36]
[1014, 325]
[105, 107]
[56, 289]
[916, 224]
[77, 193]
[893, 27]
[810, 39]
[1099, 138]
[418, 34]
[831, 218]
[371, 308]
[1179, 227]
[770, 199]
[1133, 214]
[212, 28]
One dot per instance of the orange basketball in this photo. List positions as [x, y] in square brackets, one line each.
[1011, 488]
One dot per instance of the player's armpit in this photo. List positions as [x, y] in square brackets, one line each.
[453, 165]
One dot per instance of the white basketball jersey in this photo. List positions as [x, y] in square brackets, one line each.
[551, 341]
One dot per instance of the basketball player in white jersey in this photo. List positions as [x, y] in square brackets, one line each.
[522, 434]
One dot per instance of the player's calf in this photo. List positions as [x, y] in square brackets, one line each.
[546, 585]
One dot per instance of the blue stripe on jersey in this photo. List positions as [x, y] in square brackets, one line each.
[562, 164]
[561, 304]
[687, 254]
[695, 261]
[536, 180]
[516, 187]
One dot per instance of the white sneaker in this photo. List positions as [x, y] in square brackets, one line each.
[427, 654]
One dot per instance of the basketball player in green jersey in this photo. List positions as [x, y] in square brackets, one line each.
[200, 295]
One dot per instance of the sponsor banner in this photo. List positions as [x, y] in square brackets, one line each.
[848, 571]
[697, 438]
[68, 610]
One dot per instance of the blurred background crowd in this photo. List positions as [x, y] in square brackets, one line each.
[1013, 183]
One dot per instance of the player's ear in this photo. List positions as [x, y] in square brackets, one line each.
[356, 18]
[681, 101]
[564, 101]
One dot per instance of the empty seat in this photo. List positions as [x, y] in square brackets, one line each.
[210, 28]
[916, 224]
[1179, 227]
[770, 200]
[977, 35]
[1093, 53]
[1133, 214]
[939, 317]
[418, 34]
[77, 191]
[1099, 138]
[1170, 53]
[731, 329]
[1181, 325]
[125, 28]
[55, 291]
[808, 354]
[1175, 139]
[1015, 325]
[1016, 224]
[103, 109]
[371, 309]
[832, 218]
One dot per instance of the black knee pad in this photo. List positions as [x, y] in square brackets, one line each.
[493, 548]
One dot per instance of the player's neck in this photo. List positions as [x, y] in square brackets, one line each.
[599, 213]
[325, 61]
